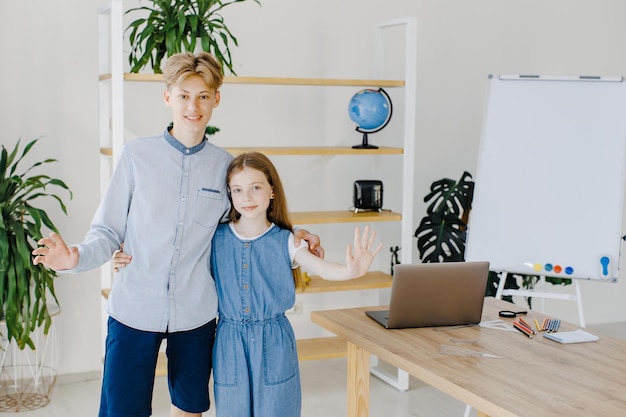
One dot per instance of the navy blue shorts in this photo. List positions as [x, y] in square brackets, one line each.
[130, 362]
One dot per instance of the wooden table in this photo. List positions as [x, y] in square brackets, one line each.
[534, 376]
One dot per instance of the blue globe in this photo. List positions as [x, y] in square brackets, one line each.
[370, 110]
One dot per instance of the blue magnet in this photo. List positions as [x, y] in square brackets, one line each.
[604, 262]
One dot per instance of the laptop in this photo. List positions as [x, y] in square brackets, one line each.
[435, 294]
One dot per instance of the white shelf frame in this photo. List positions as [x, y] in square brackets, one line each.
[400, 380]
[111, 116]
[111, 112]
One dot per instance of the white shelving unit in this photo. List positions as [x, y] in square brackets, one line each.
[112, 127]
[110, 114]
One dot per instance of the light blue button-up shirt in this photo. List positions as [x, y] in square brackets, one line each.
[164, 202]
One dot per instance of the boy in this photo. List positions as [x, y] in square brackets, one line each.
[164, 201]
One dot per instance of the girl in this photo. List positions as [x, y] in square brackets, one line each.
[253, 259]
[255, 362]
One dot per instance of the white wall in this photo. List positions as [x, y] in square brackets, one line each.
[49, 73]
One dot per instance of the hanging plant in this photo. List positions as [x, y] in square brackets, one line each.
[24, 287]
[174, 26]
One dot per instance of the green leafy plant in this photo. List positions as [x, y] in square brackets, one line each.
[209, 130]
[512, 281]
[174, 26]
[442, 232]
[24, 287]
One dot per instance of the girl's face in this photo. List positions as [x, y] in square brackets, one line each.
[251, 193]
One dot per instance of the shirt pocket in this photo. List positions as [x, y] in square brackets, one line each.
[209, 207]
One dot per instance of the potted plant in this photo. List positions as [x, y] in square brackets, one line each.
[441, 233]
[174, 26]
[24, 287]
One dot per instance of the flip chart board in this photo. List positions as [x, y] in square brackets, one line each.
[549, 185]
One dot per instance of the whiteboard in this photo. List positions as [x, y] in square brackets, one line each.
[549, 185]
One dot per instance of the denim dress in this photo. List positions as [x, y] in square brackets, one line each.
[255, 360]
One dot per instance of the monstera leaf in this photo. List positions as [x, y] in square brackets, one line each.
[441, 233]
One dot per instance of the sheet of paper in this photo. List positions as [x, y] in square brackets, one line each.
[576, 336]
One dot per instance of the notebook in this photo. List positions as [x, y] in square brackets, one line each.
[435, 294]
[576, 336]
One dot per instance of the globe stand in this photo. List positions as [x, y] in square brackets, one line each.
[364, 144]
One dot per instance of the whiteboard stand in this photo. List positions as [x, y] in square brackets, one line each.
[543, 294]
[399, 380]
[538, 131]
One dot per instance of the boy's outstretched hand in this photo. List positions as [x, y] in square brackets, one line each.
[55, 254]
[359, 259]
[312, 240]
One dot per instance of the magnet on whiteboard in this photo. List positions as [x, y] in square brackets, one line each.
[605, 266]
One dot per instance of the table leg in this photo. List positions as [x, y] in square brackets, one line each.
[358, 381]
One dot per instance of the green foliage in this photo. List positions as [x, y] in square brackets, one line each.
[24, 287]
[494, 280]
[528, 282]
[209, 130]
[172, 26]
[441, 233]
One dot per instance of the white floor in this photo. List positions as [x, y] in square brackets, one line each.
[323, 385]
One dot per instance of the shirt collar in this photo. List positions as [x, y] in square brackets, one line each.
[182, 148]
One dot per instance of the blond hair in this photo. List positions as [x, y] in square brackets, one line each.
[180, 66]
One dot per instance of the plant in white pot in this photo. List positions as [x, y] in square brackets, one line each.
[173, 26]
[25, 289]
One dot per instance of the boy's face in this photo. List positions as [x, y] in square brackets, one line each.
[192, 103]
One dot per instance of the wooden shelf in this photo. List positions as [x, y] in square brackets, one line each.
[315, 150]
[371, 280]
[274, 80]
[308, 350]
[343, 216]
[321, 348]
[161, 368]
[302, 151]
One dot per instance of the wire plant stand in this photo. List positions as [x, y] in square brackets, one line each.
[27, 377]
